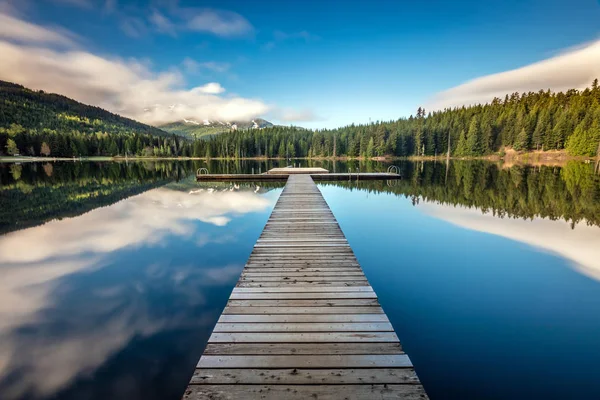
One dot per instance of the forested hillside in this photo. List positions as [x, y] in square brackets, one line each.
[35, 123]
[530, 121]
[39, 124]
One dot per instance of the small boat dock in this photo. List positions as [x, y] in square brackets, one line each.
[281, 174]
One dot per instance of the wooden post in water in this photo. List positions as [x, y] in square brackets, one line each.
[303, 321]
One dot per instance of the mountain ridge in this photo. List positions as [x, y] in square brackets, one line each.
[194, 129]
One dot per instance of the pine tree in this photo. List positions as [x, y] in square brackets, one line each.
[461, 147]
[522, 141]
[370, 149]
[473, 147]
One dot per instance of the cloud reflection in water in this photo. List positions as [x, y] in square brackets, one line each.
[579, 245]
[75, 292]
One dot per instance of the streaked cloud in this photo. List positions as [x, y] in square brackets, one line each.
[76, 3]
[133, 27]
[573, 68]
[280, 36]
[18, 30]
[220, 23]
[192, 66]
[162, 23]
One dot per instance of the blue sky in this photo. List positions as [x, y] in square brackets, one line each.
[319, 63]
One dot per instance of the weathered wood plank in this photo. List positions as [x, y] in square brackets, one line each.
[363, 289]
[333, 303]
[304, 327]
[302, 296]
[303, 392]
[318, 361]
[303, 310]
[303, 348]
[283, 318]
[303, 337]
[292, 376]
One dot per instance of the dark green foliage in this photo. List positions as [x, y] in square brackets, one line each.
[528, 121]
[570, 193]
[42, 124]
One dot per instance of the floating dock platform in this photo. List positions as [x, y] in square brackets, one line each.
[303, 321]
[281, 174]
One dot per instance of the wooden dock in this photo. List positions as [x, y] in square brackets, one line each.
[303, 321]
[282, 176]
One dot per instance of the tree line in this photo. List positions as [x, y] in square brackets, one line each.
[542, 120]
[31, 124]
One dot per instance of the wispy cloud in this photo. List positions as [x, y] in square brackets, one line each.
[77, 3]
[292, 115]
[133, 27]
[573, 68]
[127, 87]
[15, 29]
[220, 23]
[162, 23]
[280, 36]
[192, 66]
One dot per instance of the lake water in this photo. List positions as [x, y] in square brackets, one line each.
[114, 274]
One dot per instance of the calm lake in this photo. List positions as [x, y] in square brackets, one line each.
[112, 275]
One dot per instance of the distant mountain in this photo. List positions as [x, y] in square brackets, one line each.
[35, 110]
[194, 129]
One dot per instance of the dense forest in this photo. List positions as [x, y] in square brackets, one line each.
[530, 121]
[38, 124]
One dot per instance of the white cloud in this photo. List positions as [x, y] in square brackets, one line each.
[126, 87]
[572, 69]
[210, 88]
[15, 29]
[221, 23]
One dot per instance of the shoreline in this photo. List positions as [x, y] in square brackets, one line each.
[508, 159]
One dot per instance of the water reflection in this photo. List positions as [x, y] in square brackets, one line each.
[81, 299]
[113, 274]
[490, 299]
[577, 243]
